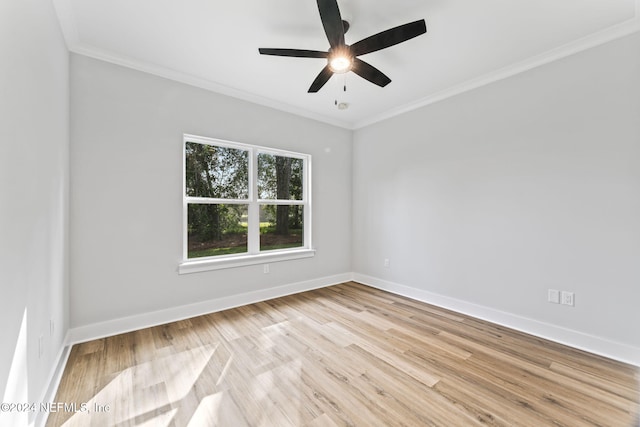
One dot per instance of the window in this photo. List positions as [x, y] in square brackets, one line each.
[243, 205]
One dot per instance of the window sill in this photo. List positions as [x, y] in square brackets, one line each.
[196, 266]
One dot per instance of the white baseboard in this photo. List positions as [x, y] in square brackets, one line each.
[572, 338]
[145, 320]
[49, 394]
[593, 344]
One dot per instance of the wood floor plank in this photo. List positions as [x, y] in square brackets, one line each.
[599, 381]
[547, 381]
[346, 355]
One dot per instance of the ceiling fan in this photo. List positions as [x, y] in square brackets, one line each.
[341, 57]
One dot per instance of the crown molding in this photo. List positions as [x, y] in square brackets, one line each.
[596, 39]
[64, 11]
[199, 82]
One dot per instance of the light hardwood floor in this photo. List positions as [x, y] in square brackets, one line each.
[347, 355]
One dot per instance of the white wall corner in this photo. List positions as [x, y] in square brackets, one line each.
[67, 20]
[572, 338]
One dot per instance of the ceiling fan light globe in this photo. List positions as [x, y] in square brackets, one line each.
[340, 64]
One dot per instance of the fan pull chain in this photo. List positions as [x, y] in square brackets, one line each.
[341, 105]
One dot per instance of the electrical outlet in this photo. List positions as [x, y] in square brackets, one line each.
[265, 268]
[386, 262]
[567, 298]
[554, 296]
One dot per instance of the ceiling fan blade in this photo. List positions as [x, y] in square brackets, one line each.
[322, 78]
[332, 22]
[389, 37]
[298, 53]
[369, 72]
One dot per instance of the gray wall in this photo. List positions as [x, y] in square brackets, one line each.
[496, 195]
[490, 197]
[126, 186]
[34, 197]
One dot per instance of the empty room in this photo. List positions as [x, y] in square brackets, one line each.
[320, 213]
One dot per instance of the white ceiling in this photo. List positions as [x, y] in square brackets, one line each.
[214, 44]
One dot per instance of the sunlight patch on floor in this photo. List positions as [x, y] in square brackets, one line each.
[166, 379]
[162, 420]
[208, 411]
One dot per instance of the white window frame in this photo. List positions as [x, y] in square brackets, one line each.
[253, 255]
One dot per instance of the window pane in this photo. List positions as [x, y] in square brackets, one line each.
[281, 226]
[216, 172]
[216, 230]
[279, 177]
